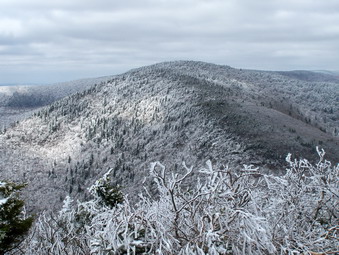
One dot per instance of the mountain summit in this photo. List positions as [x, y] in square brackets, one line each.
[169, 112]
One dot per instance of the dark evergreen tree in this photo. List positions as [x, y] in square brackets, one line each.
[13, 223]
[108, 194]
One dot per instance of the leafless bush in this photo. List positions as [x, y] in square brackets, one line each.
[225, 212]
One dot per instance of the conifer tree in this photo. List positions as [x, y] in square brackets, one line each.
[14, 225]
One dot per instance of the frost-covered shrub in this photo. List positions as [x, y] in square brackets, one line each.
[302, 206]
[215, 217]
[224, 212]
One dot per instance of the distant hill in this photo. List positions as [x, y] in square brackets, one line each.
[317, 76]
[18, 102]
[169, 112]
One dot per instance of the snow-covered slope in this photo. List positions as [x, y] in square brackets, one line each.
[19, 102]
[172, 112]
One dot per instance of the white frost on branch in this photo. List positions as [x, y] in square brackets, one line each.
[224, 212]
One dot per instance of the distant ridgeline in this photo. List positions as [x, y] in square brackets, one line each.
[29, 100]
[18, 102]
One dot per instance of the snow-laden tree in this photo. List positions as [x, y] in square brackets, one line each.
[14, 224]
[223, 212]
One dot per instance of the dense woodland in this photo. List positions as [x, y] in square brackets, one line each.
[171, 113]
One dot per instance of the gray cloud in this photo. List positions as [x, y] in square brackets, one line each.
[47, 42]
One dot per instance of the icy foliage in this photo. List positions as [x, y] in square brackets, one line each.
[225, 212]
[303, 206]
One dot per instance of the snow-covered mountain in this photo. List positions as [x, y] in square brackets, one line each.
[19, 102]
[169, 112]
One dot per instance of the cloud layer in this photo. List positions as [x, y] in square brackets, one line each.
[48, 42]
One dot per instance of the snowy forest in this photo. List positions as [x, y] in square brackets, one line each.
[176, 158]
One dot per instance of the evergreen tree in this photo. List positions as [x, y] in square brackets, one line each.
[13, 223]
[106, 193]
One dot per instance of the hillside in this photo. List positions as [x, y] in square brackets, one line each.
[169, 112]
[19, 102]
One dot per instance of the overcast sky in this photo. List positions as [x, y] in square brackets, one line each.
[45, 41]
